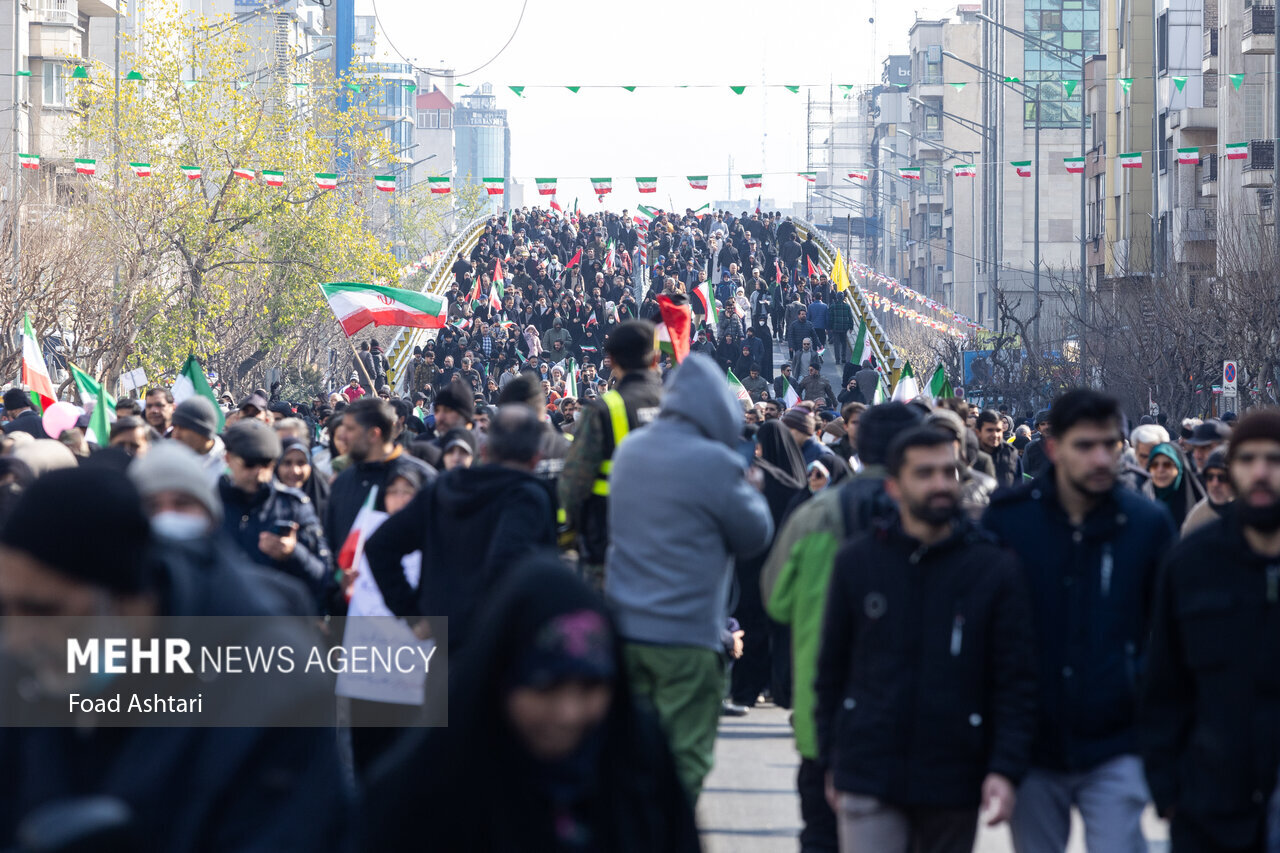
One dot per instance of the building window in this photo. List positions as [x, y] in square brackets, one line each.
[446, 118]
[55, 84]
[1071, 26]
[422, 120]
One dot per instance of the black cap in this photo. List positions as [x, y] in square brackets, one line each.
[458, 397]
[458, 437]
[16, 398]
[252, 441]
[196, 414]
[280, 407]
[256, 400]
[1209, 432]
[1042, 417]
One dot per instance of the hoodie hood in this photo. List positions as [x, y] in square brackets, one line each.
[699, 393]
[467, 491]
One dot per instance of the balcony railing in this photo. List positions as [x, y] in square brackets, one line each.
[1260, 20]
[1208, 169]
[1211, 42]
[1261, 155]
[57, 12]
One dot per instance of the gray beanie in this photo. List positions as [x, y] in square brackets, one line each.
[173, 467]
[198, 415]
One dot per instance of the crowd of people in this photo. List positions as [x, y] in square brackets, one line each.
[968, 618]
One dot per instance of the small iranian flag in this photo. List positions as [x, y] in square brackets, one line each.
[698, 182]
[244, 174]
[752, 181]
[1075, 165]
[861, 344]
[385, 183]
[273, 179]
[34, 374]
[738, 391]
[647, 185]
[704, 295]
[192, 173]
[555, 205]
[29, 161]
[570, 378]
[89, 387]
[858, 176]
[790, 398]
[1237, 150]
[357, 305]
[141, 170]
[811, 177]
[602, 186]
[85, 166]
[910, 173]
[611, 256]
[192, 382]
[965, 170]
[326, 180]
[440, 184]
[1189, 156]
[493, 186]
[1132, 160]
[1023, 168]
[546, 186]
[496, 288]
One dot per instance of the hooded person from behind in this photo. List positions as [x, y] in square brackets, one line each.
[604, 782]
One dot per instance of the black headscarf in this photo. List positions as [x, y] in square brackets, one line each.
[782, 464]
[316, 488]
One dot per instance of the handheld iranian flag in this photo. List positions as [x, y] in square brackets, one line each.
[811, 177]
[192, 382]
[1189, 156]
[861, 344]
[1022, 167]
[100, 421]
[29, 161]
[357, 305]
[939, 385]
[910, 173]
[88, 387]
[85, 166]
[385, 183]
[440, 184]
[738, 391]
[698, 182]
[326, 180]
[141, 170]
[644, 215]
[570, 378]
[647, 185]
[546, 186]
[790, 397]
[907, 388]
[34, 374]
[555, 205]
[273, 179]
[496, 288]
[703, 292]
[965, 170]
[493, 186]
[859, 176]
[244, 174]
[1237, 150]
[675, 320]
[611, 256]
[1075, 165]
[1132, 160]
[191, 173]
[602, 186]
[753, 181]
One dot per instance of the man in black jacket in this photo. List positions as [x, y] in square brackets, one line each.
[21, 416]
[1210, 720]
[1003, 456]
[472, 525]
[926, 680]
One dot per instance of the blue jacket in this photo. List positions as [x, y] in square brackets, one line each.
[818, 314]
[1092, 595]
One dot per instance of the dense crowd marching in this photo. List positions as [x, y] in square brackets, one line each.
[966, 615]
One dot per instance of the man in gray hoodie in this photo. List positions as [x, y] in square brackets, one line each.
[681, 508]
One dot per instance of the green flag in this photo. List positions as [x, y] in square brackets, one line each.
[192, 382]
[1179, 82]
[99, 422]
[907, 388]
[87, 386]
[1069, 86]
[738, 90]
[738, 391]
[1236, 80]
[570, 380]
[939, 385]
[861, 344]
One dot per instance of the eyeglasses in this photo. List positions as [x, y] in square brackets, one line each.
[1215, 477]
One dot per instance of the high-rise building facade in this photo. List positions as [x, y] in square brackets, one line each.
[482, 140]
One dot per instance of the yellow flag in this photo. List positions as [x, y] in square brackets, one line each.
[839, 276]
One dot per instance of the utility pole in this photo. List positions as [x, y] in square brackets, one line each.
[1157, 248]
[13, 156]
[1275, 137]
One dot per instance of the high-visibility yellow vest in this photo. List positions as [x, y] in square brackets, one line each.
[621, 427]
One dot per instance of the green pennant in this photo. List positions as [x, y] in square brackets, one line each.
[959, 87]
[241, 84]
[463, 85]
[411, 87]
[573, 89]
[134, 77]
[1236, 80]
[795, 90]
[738, 90]
[903, 85]
[1126, 83]
[1012, 80]
[22, 73]
[846, 87]
[519, 90]
[1069, 86]
[81, 73]
[301, 85]
[1179, 83]
[629, 88]
[355, 87]
[190, 84]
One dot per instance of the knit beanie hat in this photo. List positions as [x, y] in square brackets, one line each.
[459, 398]
[800, 420]
[1258, 424]
[196, 414]
[173, 467]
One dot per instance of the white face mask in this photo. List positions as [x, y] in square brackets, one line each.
[179, 526]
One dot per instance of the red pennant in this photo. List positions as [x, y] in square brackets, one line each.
[577, 258]
[813, 272]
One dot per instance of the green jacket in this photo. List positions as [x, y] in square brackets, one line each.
[794, 584]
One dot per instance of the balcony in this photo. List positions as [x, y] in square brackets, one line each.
[56, 12]
[1199, 225]
[1259, 30]
[1258, 170]
[1209, 176]
[1210, 61]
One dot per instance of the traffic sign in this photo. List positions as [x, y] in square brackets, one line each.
[1229, 377]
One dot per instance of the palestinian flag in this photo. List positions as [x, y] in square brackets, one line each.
[964, 170]
[192, 382]
[356, 305]
[29, 161]
[273, 179]
[859, 176]
[698, 182]
[34, 374]
[1132, 160]
[811, 177]
[676, 317]
[753, 181]
[141, 170]
[738, 391]
[664, 339]
[88, 387]
[939, 385]
[1235, 150]
[440, 184]
[861, 344]
[790, 398]
[1189, 156]
[85, 166]
[907, 388]
[703, 292]
[1023, 168]
[1075, 165]
[385, 183]
[602, 186]
[910, 173]
[326, 180]
[546, 186]
[493, 186]
[647, 185]
[244, 174]
[192, 173]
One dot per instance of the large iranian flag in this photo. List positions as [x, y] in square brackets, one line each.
[192, 382]
[356, 305]
[708, 300]
[34, 373]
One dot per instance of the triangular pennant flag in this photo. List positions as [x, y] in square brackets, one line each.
[1012, 80]
[519, 90]
[793, 89]
[134, 77]
[1179, 83]
[958, 86]
[1236, 80]
[629, 88]
[1126, 83]
[355, 87]
[738, 90]
[81, 73]
[573, 89]
[1069, 86]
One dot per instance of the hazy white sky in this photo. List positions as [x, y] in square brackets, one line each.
[670, 132]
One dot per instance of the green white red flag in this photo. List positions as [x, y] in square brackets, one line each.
[141, 170]
[385, 183]
[752, 181]
[29, 161]
[191, 173]
[86, 166]
[34, 373]
[546, 186]
[326, 180]
[1189, 156]
[703, 292]
[357, 305]
[676, 317]
[440, 184]
[602, 186]
[1237, 150]
[861, 344]
[493, 186]
[1022, 167]
[273, 179]
[1132, 160]
[192, 382]
[647, 185]
[738, 391]
[698, 182]
[244, 174]
[1075, 165]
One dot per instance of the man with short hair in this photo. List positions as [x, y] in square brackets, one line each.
[1004, 458]
[782, 383]
[1143, 439]
[195, 425]
[1091, 552]
[256, 407]
[754, 384]
[816, 387]
[772, 410]
[131, 435]
[927, 638]
[20, 415]
[159, 409]
[1210, 716]
[1035, 459]
[798, 331]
